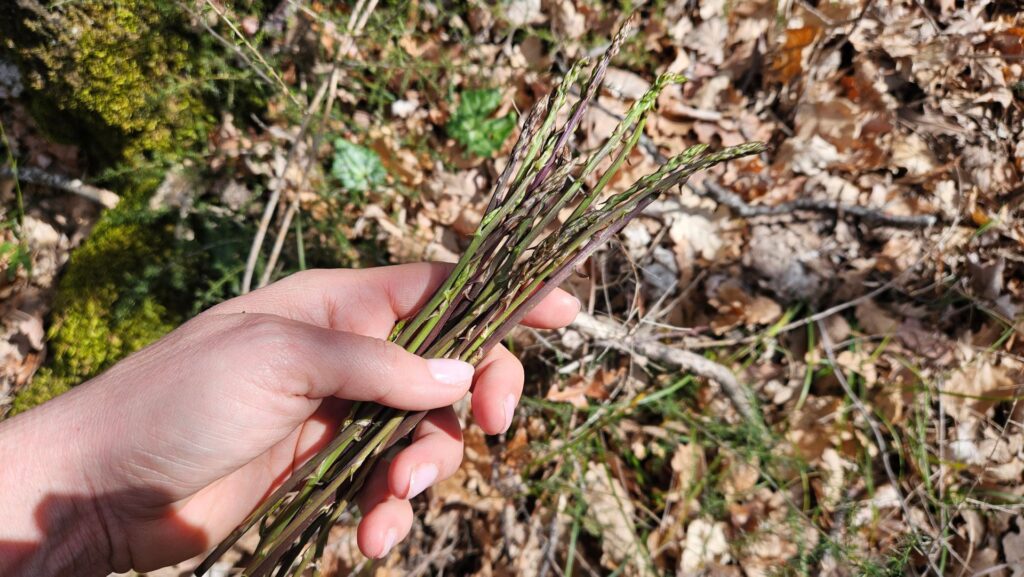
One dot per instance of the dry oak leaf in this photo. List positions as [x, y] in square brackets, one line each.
[874, 320]
[611, 507]
[705, 544]
[735, 306]
[976, 388]
[741, 476]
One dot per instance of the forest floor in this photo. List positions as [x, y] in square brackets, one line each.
[864, 278]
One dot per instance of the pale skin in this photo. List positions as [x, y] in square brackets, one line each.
[160, 457]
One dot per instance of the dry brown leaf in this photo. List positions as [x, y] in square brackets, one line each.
[521, 13]
[788, 62]
[859, 362]
[766, 552]
[625, 84]
[1013, 549]
[835, 482]
[596, 385]
[705, 544]
[814, 428]
[789, 261]
[735, 306]
[912, 153]
[976, 388]
[741, 476]
[566, 20]
[874, 320]
[613, 510]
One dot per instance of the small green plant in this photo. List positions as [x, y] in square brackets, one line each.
[472, 125]
[15, 256]
[357, 168]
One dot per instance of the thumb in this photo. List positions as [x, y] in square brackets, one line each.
[316, 362]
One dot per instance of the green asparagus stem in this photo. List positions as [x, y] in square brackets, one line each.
[516, 257]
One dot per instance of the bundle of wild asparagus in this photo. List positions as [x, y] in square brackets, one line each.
[511, 263]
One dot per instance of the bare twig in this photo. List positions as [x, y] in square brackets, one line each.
[357, 21]
[721, 195]
[616, 336]
[275, 194]
[554, 534]
[39, 177]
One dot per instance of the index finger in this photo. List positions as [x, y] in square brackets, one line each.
[370, 301]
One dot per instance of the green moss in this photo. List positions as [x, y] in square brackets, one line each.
[134, 87]
[129, 83]
[43, 387]
[124, 72]
[120, 292]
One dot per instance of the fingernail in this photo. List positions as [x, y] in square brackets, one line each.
[450, 371]
[510, 409]
[579, 304]
[421, 477]
[389, 541]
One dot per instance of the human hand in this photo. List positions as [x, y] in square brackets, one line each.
[169, 450]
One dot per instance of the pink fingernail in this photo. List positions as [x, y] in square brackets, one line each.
[510, 410]
[450, 371]
[389, 541]
[421, 477]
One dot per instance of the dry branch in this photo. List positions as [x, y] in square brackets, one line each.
[721, 195]
[613, 335]
[39, 177]
[357, 21]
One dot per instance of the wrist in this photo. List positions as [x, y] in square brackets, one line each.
[54, 521]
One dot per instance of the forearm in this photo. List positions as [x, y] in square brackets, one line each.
[51, 523]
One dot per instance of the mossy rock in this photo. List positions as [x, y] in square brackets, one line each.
[121, 75]
[121, 291]
[129, 82]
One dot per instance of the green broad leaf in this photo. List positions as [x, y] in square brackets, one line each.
[480, 103]
[357, 168]
[19, 258]
[472, 125]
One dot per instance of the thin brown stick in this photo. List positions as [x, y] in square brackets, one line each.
[743, 209]
[722, 195]
[613, 335]
[356, 23]
[275, 194]
[39, 177]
